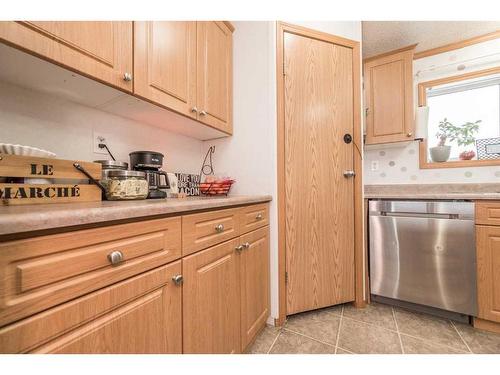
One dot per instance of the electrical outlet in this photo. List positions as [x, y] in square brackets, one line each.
[99, 138]
[374, 165]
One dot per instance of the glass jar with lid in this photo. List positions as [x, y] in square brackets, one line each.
[126, 185]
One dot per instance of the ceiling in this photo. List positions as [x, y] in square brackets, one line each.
[384, 36]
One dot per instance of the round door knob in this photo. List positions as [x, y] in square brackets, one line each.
[259, 217]
[246, 245]
[115, 257]
[194, 110]
[410, 134]
[177, 279]
[239, 248]
[219, 228]
[203, 113]
[349, 174]
[127, 77]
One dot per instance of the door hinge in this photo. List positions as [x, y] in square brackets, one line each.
[366, 111]
[286, 277]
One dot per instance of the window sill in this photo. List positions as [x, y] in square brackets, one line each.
[425, 164]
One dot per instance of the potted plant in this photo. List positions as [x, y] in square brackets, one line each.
[463, 134]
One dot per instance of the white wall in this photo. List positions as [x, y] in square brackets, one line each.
[400, 165]
[250, 155]
[66, 128]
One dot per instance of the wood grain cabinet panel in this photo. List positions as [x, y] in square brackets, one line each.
[165, 64]
[254, 217]
[389, 97]
[205, 229]
[488, 272]
[487, 212]
[254, 274]
[211, 300]
[214, 75]
[140, 315]
[40, 272]
[98, 49]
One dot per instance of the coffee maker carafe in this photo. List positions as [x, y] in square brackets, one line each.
[151, 162]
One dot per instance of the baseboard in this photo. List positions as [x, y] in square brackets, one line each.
[486, 325]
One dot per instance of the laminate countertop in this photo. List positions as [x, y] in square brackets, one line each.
[29, 218]
[486, 191]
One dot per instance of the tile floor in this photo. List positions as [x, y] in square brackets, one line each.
[378, 328]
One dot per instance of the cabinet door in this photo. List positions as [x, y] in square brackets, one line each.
[147, 323]
[165, 64]
[99, 49]
[211, 300]
[488, 272]
[215, 75]
[389, 97]
[254, 274]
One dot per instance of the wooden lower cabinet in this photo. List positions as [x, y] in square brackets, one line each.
[488, 272]
[211, 300]
[254, 275]
[140, 315]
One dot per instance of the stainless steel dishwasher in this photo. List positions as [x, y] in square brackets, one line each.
[423, 252]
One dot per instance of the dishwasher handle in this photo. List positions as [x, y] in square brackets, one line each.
[426, 215]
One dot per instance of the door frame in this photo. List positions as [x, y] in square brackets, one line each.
[359, 256]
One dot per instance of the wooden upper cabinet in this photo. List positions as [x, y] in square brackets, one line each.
[488, 272]
[165, 64]
[215, 75]
[211, 300]
[254, 274]
[388, 81]
[98, 49]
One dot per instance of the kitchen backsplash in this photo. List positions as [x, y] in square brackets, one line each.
[400, 165]
[31, 118]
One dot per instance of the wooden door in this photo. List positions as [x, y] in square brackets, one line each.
[99, 49]
[147, 324]
[319, 199]
[488, 272]
[215, 75]
[211, 300]
[165, 64]
[254, 274]
[389, 97]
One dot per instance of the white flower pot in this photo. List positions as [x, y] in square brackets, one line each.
[440, 154]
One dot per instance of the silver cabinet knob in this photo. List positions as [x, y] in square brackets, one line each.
[203, 113]
[194, 110]
[219, 228]
[115, 257]
[178, 279]
[246, 245]
[127, 77]
[259, 217]
[239, 248]
[410, 134]
[348, 174]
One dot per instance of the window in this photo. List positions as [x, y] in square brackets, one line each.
[462, 110]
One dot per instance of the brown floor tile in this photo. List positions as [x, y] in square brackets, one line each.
[430, 328]
[264, 340]
[366, 339]
[323, 327]
[374, 313]
[291, 343]
[412, 345]
[342, 351]
[479, 341]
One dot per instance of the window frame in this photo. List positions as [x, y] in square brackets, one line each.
[422, 87]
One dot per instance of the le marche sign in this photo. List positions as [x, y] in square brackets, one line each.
[19, 168]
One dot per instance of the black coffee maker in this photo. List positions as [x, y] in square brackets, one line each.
[151, 162]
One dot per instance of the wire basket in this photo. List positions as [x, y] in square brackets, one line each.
[216, 187]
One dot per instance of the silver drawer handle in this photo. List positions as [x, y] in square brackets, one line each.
[178, 279]
[219, 228]
[239, 248]
[115, 257]
[259, 217]
[348, 174]
[246, 245]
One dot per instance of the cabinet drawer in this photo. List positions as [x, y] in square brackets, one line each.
[488, 212]
[70, 326]
[41, 272]
[208, 228]
[254, 217]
